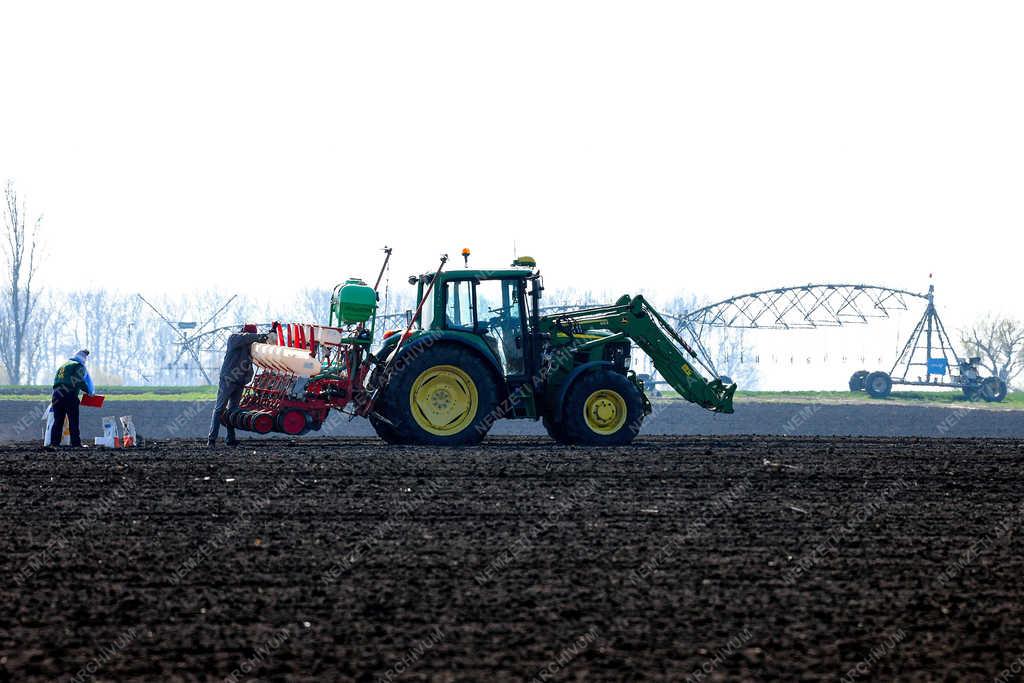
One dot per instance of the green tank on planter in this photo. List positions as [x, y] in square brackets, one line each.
[353, 302]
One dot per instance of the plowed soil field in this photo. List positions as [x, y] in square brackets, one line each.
[677, 558]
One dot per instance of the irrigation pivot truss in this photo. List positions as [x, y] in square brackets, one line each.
[810, 306]
[803, 307]
[928, 357]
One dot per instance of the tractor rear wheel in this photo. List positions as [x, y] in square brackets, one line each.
[445, 396]
[603, 408]
[857, 380]
[993, 389]
[383, 429]
[878, 384]
[378, 416]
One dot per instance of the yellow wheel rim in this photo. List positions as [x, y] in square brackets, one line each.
[605, 411]
[443, 400]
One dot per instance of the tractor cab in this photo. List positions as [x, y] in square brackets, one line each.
[493, 308]
[491, 311]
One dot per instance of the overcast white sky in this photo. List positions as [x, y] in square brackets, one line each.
[713, 147]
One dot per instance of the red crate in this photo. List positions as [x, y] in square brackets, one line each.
[92, 400]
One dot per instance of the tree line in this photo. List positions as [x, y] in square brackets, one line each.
[168, 340]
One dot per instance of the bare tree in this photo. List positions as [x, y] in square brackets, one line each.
[1000, 344]
[312, 305]
[21, 247]
[103, 328]
[570, 296]
[732, 356]
[37, 352]
[681, 305]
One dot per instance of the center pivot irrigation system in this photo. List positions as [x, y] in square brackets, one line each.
[476, 349]
[927, 359]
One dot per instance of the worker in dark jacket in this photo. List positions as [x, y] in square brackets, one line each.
[71, 378]
[235, 373]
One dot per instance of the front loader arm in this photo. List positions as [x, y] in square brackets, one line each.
[636, 319]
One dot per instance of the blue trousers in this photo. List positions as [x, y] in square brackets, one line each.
[228, 397]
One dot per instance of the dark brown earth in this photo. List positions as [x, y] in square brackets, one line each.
[728, 557]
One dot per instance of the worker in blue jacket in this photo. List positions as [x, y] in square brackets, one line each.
[235, 373]
[71, 378]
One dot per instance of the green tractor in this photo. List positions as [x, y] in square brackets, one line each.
[479, 350]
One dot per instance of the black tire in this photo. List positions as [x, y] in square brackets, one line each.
[993, 389]
[398, 409]
[971, 391]
[556, 430]
[878, 384]
[381, 409]
[383, 429]
[857, 380]
[578, 431]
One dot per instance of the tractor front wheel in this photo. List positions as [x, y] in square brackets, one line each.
[444, 396]
[603, 408]
[556, 430]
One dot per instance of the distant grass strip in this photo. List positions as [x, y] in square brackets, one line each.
[112, 393]
[105, 389]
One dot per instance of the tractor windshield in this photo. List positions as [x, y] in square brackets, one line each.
[500, 321]
[458, 309]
